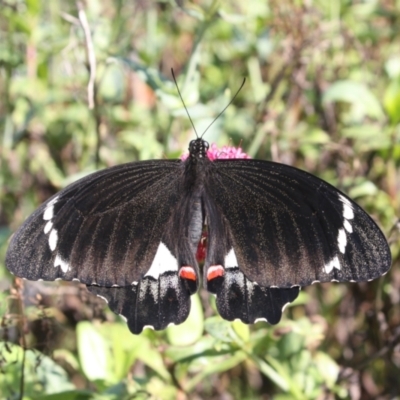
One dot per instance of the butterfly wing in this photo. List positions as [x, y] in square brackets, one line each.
[155, 303]
[288, 228]
[240, 298]
[126, 227]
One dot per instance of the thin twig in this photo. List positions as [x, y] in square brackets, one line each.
[394, 341]
[92, 101]
[70, 18]
[21, 326]
[90, 54]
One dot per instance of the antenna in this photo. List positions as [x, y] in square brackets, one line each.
[184, 105]
[187, 112]
[233, 98]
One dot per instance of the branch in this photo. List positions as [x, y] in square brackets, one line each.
[22, 328]
[90, 54]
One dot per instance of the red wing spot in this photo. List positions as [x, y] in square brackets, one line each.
[188, 273]
[215, 271]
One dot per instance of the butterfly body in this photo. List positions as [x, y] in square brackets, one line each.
[130, 233]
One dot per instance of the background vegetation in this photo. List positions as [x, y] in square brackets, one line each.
[322, 94]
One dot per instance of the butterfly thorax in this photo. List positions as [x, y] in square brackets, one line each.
[196, 165]
[198, 148]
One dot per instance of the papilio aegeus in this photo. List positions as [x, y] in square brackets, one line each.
[130, 234]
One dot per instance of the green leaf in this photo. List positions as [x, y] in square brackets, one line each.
[219, 329]
[41, 374]
[217, 366]
[69, 395]
[392, 67]
[283, 372]
[93, 352]
[278, 378]
[145, 143]
[327, 367]
[366, 188]
[391, 101]
[122, 347]
[107, 353]
[191, 330]
[368, 137]
[152, 358]
[363, 101]
[205, 345]
[149, 75]
[112, 84]
[242, 330]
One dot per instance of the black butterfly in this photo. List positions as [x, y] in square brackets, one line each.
[130, 233]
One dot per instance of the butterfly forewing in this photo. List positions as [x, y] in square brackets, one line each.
[289, 228]
[104, 229]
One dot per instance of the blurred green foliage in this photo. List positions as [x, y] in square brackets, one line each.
[322, 94]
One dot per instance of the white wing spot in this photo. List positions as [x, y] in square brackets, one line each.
[163, 261]
[53, 238]
[348, 212]
[260, 320]
[134, 283]
[348, 226]
[334, 263]
[344, 200]
[342, 240]
[47, 227]
[59, 262]
[49, 211]
[231, 260]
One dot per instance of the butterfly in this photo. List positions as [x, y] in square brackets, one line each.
[130, 233]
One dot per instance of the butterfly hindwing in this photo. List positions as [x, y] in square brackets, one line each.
[240, 298]
[289, 228]
[151, 302]
[237, 296]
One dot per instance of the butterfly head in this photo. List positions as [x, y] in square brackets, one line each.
[198, 148]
